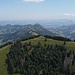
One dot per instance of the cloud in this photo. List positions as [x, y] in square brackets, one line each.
[67, 14]
[36, 1]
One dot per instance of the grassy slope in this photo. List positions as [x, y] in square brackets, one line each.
[69, 45]
[4, 50]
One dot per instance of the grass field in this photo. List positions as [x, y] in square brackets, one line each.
[4, 50]
[3, 67]
[68, 45]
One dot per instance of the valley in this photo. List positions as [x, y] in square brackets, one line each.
[65, 30]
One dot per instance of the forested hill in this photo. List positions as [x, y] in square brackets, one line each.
[12, 32]
[35, 60]
[38, 56]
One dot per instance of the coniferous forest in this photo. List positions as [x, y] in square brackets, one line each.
[37, 60]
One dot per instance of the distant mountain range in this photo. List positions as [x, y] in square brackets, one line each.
[58, 23]
[45, 23]
[65, 30]
[12, 32]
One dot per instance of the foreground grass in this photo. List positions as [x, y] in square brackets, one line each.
[3, 52]
[41, 39]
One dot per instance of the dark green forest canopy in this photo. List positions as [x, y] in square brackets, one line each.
[48, 59]
[36, 60]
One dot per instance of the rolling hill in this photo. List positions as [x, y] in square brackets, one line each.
[65, 30]
[68, 31]
[13, 32]
[4, 50]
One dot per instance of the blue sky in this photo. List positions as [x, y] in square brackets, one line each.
[37, 9]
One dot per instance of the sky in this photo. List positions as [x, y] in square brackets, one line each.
[37, 9]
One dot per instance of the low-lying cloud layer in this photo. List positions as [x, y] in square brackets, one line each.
[37, 1]
[67, 14]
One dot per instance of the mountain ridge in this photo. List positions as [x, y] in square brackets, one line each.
[13, 32]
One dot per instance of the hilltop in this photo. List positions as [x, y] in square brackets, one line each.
[41, 39]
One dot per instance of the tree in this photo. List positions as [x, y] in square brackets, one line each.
[30, 43]
[64, 43]
[45, 39]
[74, 40]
